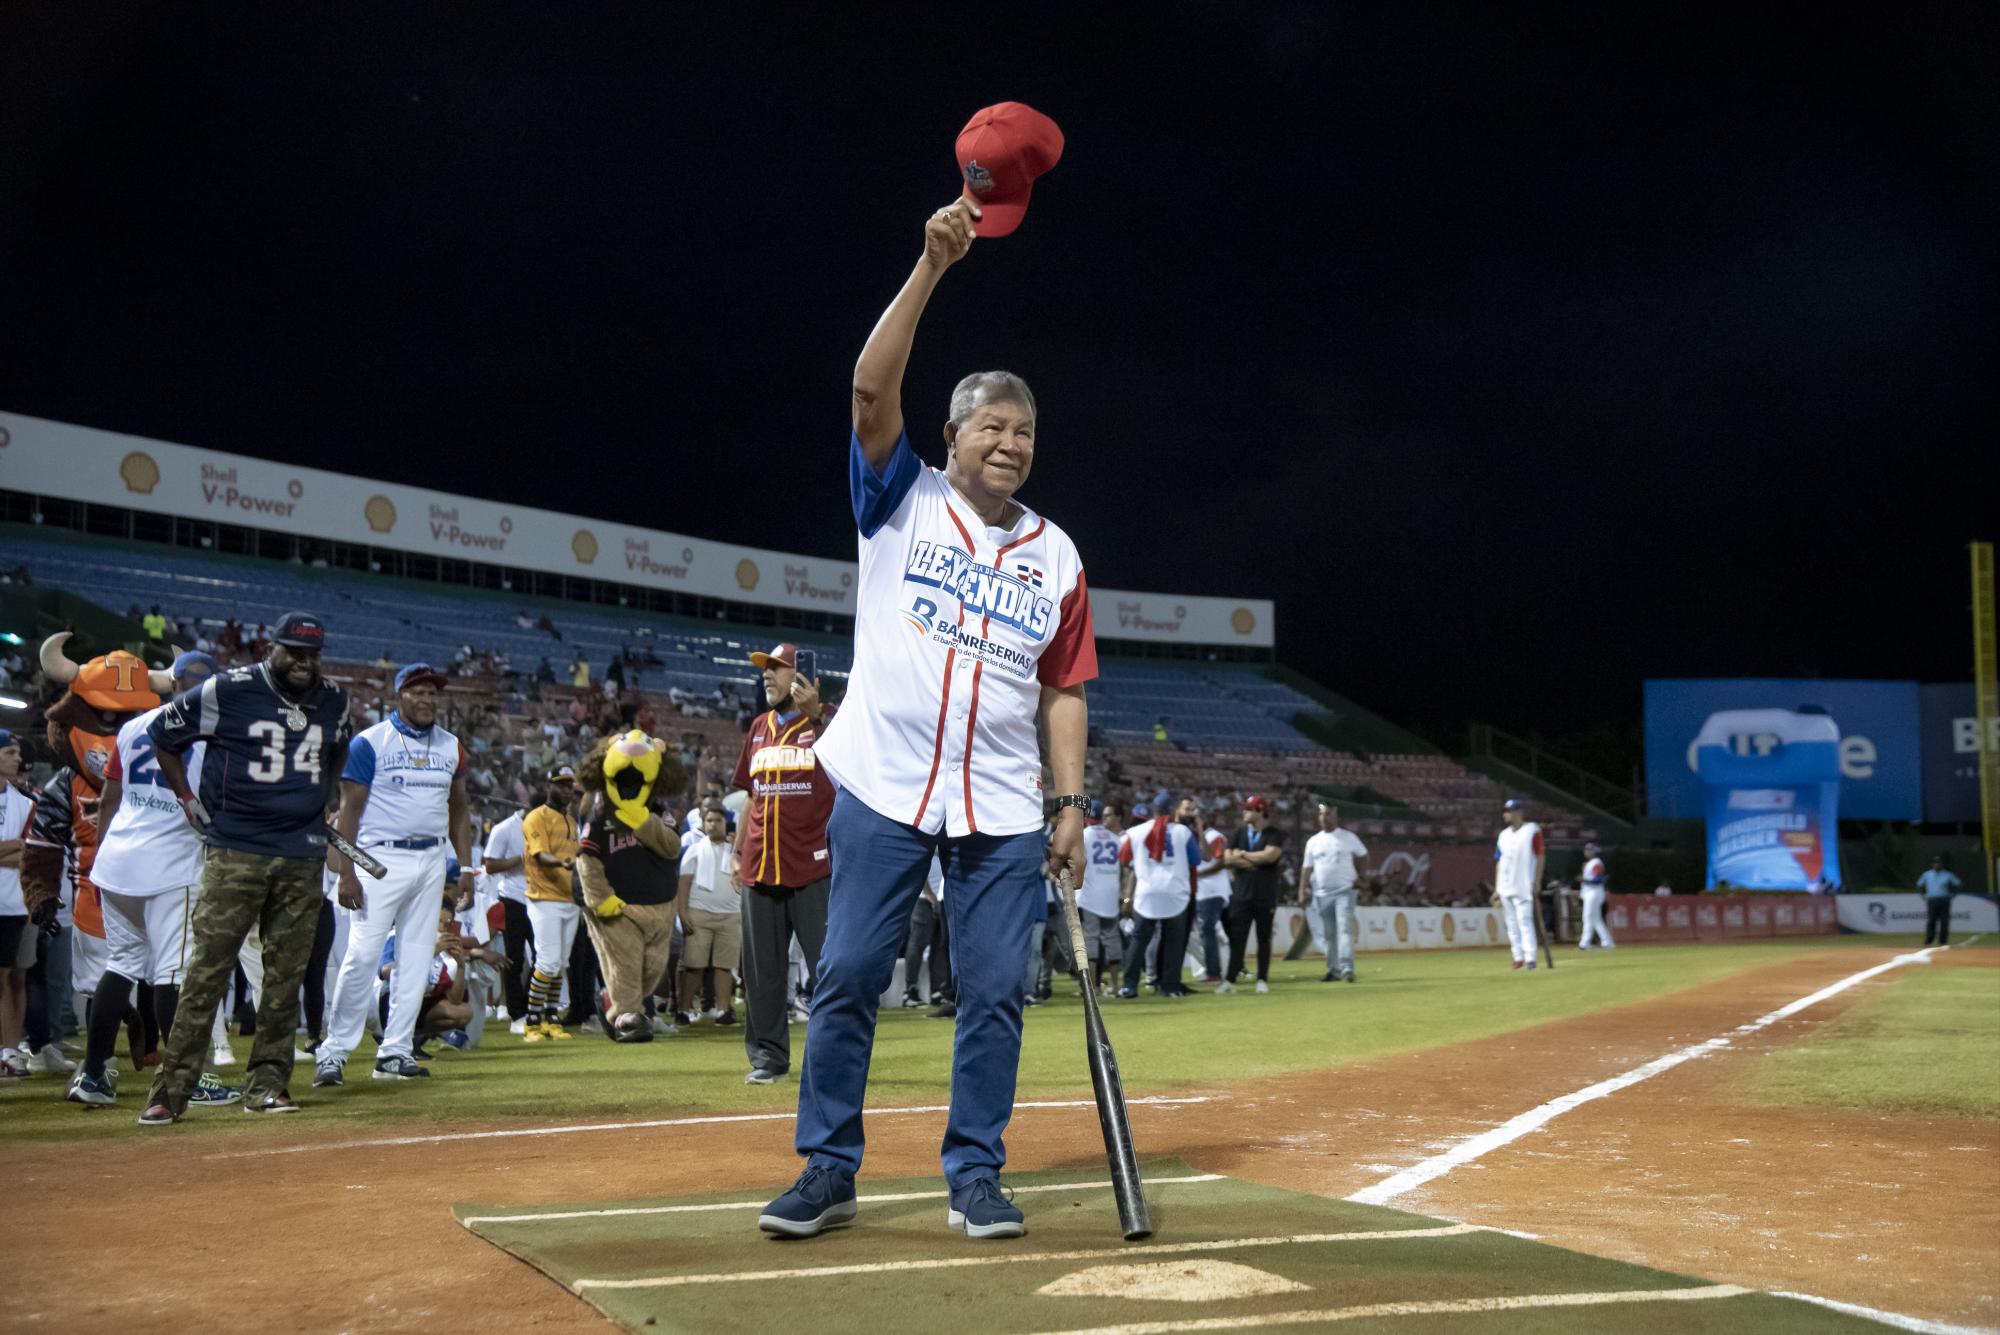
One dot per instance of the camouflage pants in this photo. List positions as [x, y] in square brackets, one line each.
[280, 897]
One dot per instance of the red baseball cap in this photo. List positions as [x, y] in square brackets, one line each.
[1256, 803]
[784, 655]
[1001, 151]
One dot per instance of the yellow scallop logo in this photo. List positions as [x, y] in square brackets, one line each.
[746, 574]
[140, 473]
[380, 512]
[584, 546]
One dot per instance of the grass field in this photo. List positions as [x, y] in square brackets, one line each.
[1927, 1043]
[1404, 1003]
[1229, 1254]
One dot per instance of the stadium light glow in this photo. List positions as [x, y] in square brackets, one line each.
[10, 637]
[12, 702]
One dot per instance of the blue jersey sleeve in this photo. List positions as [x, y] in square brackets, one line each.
[360, 766]
[1193, 850]
[186, 719]
[878, 492]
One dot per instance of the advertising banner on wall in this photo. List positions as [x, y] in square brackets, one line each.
[1772, 814]
[1394, 929]
[1880, 770]
[1905, 913]
[82, 464]
[1951, 753]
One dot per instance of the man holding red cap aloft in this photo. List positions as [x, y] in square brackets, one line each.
[972, 642]
[781, 856]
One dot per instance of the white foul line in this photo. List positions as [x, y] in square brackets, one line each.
[761, 1202]
[1896, 1319]
[1017, 1258]
[1513, 1129]
[1451, 1306]
[1156, 1100]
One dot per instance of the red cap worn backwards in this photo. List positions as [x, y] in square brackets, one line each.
[1001, 151]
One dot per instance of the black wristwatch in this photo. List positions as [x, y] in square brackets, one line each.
[1077, 800]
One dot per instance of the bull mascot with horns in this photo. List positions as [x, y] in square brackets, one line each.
[62, 834]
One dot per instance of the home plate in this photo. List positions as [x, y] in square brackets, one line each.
[1191, 1281]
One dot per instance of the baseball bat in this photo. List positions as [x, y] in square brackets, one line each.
[354, 853]
[1112, 1116]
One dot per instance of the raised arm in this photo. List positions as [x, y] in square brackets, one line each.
[878, 376]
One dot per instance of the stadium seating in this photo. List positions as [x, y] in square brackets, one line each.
[1229, 727]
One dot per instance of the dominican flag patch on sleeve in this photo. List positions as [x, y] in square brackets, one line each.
[1028, 574]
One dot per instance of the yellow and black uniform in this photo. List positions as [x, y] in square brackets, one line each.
[552, 912]
[547, 830]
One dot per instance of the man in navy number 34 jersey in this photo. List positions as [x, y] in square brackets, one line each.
[277, 732]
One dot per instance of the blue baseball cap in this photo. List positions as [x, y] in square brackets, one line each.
[7, 739]
[1141, 811]
[301, 630]
[419, 674]
[1095, 811]
[191, 659]
[1515, 804]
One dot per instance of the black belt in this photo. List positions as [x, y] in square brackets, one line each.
[410, 843]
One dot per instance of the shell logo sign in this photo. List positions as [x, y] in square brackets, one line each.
[139, 472]
[584, 546]
[1450, 928]
[1243, 621]
[747, 574]
[1402, 926]
[380, 512]
[1492, 930]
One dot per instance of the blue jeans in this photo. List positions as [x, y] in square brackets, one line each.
[49, 1019]
[1208, 921]
[993, 896]
[1336, 925]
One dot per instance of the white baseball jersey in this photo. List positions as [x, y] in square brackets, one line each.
[15, 809]
[506, 842]
[1215, 885]
[1162, 878]
[1514, 872]
[1099, 892]
[150, 847]
[1593, 874]
[408, 772]
[1329, 859]
[957, 629]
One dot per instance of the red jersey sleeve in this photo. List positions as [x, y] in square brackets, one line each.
[1072, 655]
[741, 779]
[463, 763]
[1125, 851]
[116, 769]
[1538, 843]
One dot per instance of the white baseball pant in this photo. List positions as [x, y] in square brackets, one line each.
[552, 923]
[406, 901]
[1518, 912]
[1593, 919]
[147, 935]
[87, 957]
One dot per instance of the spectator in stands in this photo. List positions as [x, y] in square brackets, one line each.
[1252, 858]
[1160, 729]
[1664, 889]
[579, 669]
[155, 625]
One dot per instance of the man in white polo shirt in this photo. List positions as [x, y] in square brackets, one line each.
[1333, 858]
[402, 798]
[1517, 874]
[505, 865]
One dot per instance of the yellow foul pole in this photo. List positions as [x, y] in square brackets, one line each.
[1986, 693]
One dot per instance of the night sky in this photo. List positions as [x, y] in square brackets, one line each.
[1520, 352]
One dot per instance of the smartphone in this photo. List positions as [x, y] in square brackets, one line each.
[808, 665]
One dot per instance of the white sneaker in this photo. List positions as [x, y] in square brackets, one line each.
[1225, 986]
[1263, 986]
[224, 1055]
[50, 1059]
[13, 1066]
[500, 1013]
[519, 1026]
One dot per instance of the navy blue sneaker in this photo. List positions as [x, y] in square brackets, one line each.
[822, 1198]
[985, 1209]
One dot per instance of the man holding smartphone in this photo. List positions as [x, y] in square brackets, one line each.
[781, 859]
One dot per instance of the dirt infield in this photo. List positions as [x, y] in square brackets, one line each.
[1896, 1213]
